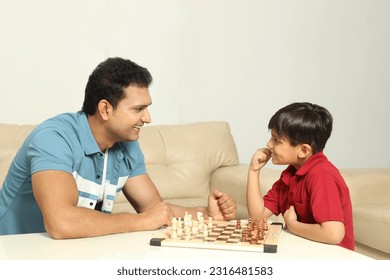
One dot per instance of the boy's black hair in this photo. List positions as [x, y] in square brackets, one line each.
[109, 79]
[303, 123]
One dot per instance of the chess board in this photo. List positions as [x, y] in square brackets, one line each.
[225, 235]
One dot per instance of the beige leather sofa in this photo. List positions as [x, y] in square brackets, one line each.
[187, 161]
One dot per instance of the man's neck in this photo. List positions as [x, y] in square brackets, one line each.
[99, 133]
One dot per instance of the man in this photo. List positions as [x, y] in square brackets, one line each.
[67, 174]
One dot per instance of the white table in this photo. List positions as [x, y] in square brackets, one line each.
[135, 246]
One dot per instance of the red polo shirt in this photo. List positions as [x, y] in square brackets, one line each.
[318, 193]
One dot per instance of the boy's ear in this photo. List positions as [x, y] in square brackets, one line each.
[305, 151]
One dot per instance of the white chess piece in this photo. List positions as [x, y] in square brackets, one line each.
[205, 232]
[180, 232]
[210, 224]
[194, 230]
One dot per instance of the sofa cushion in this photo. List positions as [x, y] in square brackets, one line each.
[372, 225]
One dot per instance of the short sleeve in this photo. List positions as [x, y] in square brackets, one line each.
[271, 199]
[49, 150]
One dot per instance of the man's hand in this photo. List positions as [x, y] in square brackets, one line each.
[221, 206]
[157, 216]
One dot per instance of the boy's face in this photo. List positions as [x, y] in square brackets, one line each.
[282, 152]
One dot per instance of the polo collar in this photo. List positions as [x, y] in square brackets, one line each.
[290, 171]
[87, 140]
[310, 163]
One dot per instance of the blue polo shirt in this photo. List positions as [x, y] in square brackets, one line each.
[65, 143]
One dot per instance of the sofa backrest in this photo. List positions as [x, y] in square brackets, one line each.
[180, 158]
[11, 138]
[368, 186]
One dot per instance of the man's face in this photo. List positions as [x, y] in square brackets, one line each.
[130, 114]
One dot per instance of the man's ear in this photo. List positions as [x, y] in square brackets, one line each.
[104, 109]
[305, 151]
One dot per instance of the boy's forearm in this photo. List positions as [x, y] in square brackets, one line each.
[317, 232]
[254, 196]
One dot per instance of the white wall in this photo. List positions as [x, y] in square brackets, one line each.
[237, 61]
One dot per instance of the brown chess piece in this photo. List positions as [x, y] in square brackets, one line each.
[265, 225]
[238, 225]
[261, 235]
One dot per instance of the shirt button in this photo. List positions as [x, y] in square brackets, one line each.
[97, 176]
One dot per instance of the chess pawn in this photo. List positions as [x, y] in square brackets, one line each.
[194, 230]
[187, 231]
[188, 220]
[265, 225]
[244, 235]
[205, 232]
[179, 232]
[210, 223]
[260, 235]
[254, 233]
[250, 224]
[179, 224]
[201, 224]
[174, 234]
[174, 224]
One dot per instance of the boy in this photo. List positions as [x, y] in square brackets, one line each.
[311, 193]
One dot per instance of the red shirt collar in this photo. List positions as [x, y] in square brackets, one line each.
[290, 171]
